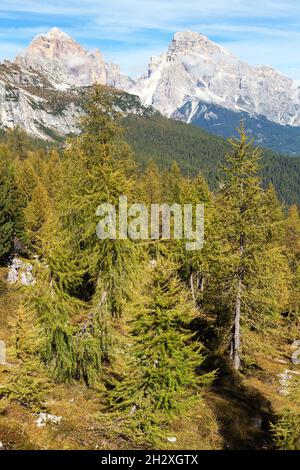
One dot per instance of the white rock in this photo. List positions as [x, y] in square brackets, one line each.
[20, 271]
[12, 276]
[153, 263]
[27, 279]
[172, 439]
[43, 418]
[285, 379]
[295, 358]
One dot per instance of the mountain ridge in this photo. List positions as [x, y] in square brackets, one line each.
[194, 82]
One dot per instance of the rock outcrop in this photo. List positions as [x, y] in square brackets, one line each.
[20, 272]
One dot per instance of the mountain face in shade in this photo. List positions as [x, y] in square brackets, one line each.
[66, 63]
[195, 70]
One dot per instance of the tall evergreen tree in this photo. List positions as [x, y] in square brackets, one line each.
[292, 250]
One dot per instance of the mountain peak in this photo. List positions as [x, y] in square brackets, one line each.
[193, 42]
[56, 33]
[196, 70]
[189, 36]
[67, 63]
[53, 44]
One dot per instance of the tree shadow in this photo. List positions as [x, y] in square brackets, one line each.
[244, 415]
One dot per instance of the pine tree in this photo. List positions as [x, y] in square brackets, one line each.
[36, 214]
[292, 250]
[27, 381]
[194, 264]
[172, 184]
[151, 186]
[292, 236]
[104, 172]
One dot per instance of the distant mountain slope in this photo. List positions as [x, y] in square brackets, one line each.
[223, 122]
[30, 99]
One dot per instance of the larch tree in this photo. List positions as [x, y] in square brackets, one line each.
[251, 264]
[11, 220]
[164, 360]
[85, 286]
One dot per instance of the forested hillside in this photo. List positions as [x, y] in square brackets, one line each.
[165, 141]
[153, 137]
[141, 343]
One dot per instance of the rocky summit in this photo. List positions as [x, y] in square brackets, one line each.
[196, 70]
[66, 63]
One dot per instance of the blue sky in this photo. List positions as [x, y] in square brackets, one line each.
[128, 32]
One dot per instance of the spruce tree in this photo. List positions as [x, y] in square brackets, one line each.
[194, 264]
[151, 185]
[36, 214]
[292, 250]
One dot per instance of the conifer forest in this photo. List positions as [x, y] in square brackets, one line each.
[143, 344]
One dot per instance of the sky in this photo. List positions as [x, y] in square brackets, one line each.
[128, 32]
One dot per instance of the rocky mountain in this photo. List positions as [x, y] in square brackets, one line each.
[66, 63]
[195, 70]
[223, 122]
[28, 99]
[40, 104]
[195, 81]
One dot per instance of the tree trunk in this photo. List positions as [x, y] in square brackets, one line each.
[192, 288]
[236, 334]
[237, 316]
[201, 283]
